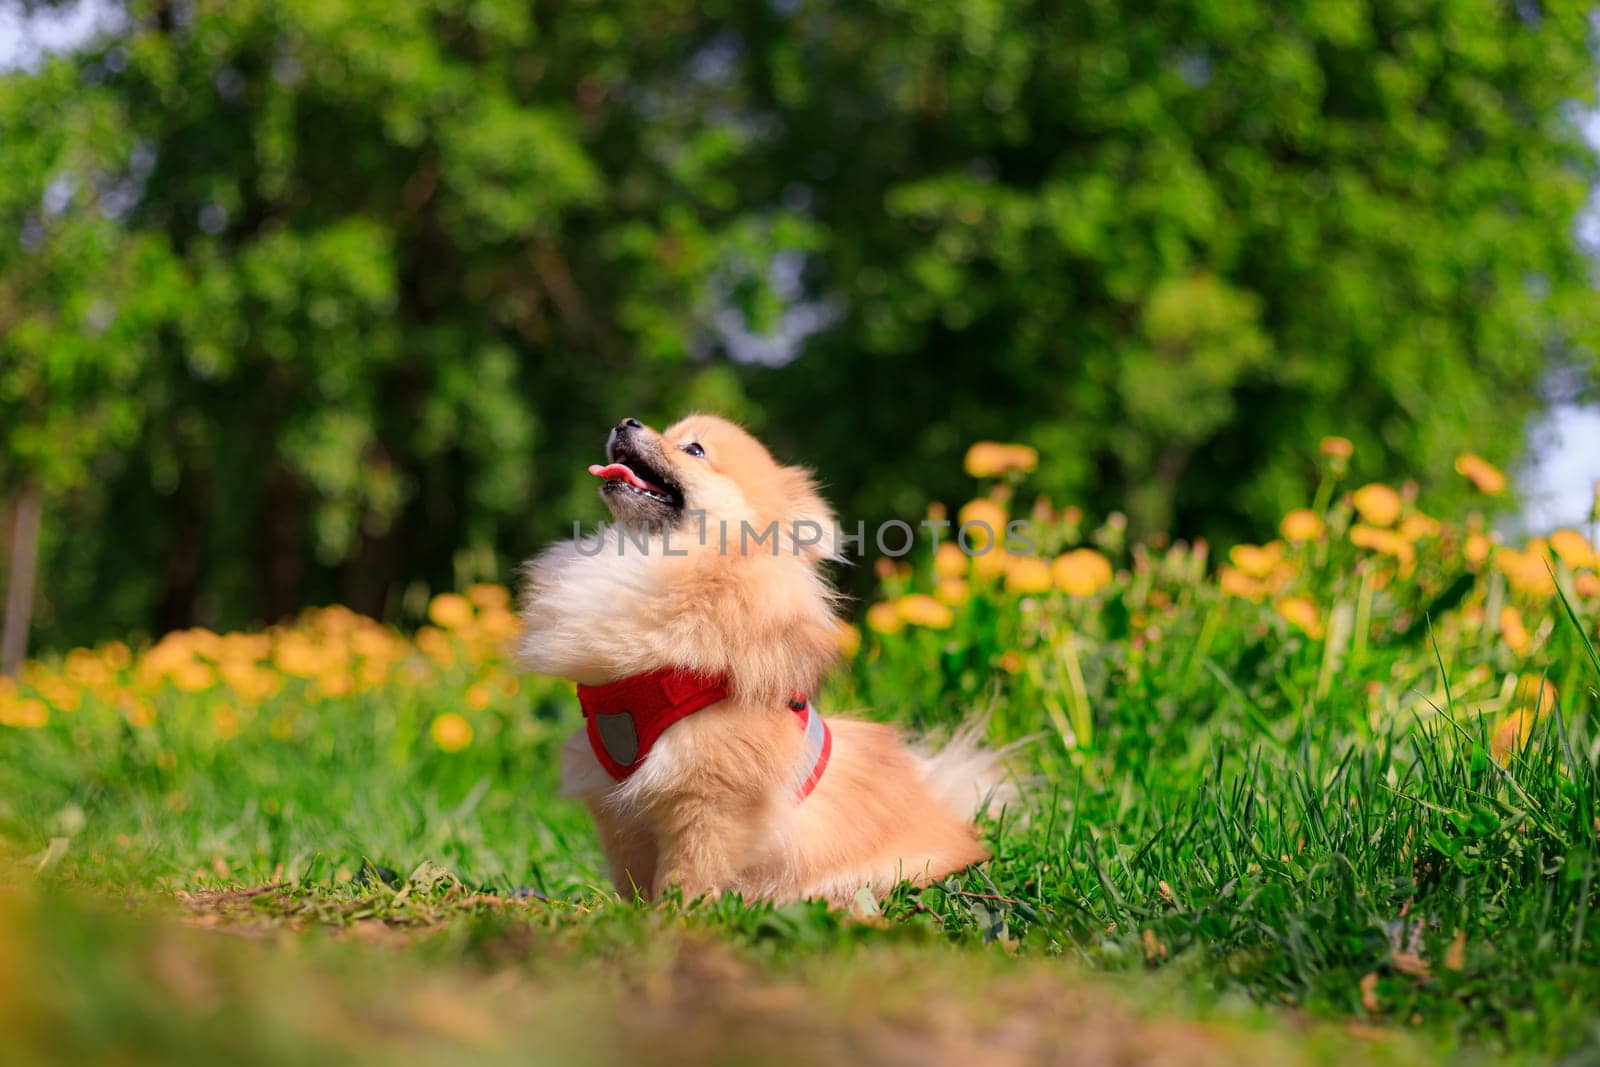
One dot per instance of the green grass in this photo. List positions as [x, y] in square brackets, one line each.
[1237, 843]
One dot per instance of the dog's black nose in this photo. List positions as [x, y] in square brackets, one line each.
[630, 424]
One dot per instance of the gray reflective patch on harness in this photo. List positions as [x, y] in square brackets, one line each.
[619, 737]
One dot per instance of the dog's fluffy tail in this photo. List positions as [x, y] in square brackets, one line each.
[969, 777]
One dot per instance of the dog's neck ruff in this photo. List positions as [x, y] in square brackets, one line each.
[625, 718]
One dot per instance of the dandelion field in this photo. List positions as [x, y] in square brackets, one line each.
[1330, 798]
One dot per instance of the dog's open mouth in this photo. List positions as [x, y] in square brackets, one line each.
[630, 473]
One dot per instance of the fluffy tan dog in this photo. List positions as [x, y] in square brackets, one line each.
[695, 625]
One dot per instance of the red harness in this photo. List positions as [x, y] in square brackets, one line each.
[625, 718]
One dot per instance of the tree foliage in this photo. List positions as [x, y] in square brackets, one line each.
[314, 299]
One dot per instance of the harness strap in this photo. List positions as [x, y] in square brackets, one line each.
[819, 746]
[625, 718]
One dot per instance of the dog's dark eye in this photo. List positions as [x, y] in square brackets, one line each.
[694, 449]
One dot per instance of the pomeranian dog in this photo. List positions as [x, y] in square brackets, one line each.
[696, 626]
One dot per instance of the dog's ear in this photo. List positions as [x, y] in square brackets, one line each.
[808, 516]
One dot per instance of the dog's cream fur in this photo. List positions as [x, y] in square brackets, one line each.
[711, 808]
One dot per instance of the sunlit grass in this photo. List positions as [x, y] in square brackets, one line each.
[1350, 772]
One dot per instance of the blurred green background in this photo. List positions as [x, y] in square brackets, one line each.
[316, 300]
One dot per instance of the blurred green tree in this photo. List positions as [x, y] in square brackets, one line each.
[318, 299]
[81, 303]
[1174, 244]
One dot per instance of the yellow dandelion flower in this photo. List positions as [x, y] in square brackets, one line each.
[1336, 447]
[1377, 504]
[1028, 574]
[1512, 734]
[1301, 612]
[982, 525]
[86, 668]
[1532, 699]
[1010, 662]
[374, 672]
[991, 459]
[1256, 561]
[246, 679]
[29, 713]
[485, 595]
[1535, 691]
[848, 638]
[60, 694]
[378, 643]
[479, 696]
[1081, 572]
[335, 619]
[1416, 526]
[992, 564]
[949, 561]
[1528, 572]
[953, 591]
[883, 618]
[116, 655]
[1301, 525]
[1023, 459]
[1586, 585]
[299, 655]
[1513, 631]
[205, 643]
[451, 732]
[436, 645]
[193, 677]
[1386, 542]
[469, 633]
[985, 459]
[263, 683]
[1485, 476]
[335, 684]
[450, 610]
[164, 657]
[245, 648]
[1573, 549]
[1477, 549]
[919, 609]
[1235, 582]
[499, 625]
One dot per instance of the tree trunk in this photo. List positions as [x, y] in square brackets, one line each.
[20, 579]
[282, 566]
[1152, 502]
[191, 507]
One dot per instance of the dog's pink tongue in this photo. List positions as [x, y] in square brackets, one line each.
[612, 472]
